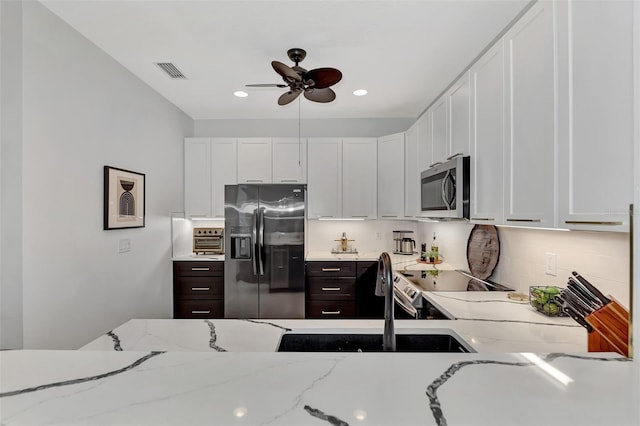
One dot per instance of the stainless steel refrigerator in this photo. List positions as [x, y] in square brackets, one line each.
[264, 251]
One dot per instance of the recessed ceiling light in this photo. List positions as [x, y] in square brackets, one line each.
[241, 94]
[360, 92]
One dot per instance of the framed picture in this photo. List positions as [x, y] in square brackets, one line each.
[123, 198]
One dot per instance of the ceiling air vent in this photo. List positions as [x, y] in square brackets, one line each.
[171, 70]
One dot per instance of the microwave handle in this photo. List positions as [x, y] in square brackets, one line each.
[448, 201]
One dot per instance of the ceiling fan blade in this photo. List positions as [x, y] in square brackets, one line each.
[323, 77]
[265, 85]
[286, 72]
[320, 95]
[288, 97]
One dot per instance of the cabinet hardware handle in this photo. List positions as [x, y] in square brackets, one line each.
[200, 288]
[592, 222]
[324, 216]
[436, 163]
[330, 288]
[254, 180]
[330, 269]
[200, 269]
[200, 312]
[330, 312]
[523, 220]
[289, 180]
[451, 157]
[389, 215]
[359, 216]
[482, 218]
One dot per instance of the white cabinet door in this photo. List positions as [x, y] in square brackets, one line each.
[324, 187]
[439, 134]
[411, 172]
[289, 160]
[425, 143]
[487, 100]
[530, 144]
[459, 117]
[254, 160]
[197, 177]
[359, 177]
[391, 172]
[223, 171]
[595, 42]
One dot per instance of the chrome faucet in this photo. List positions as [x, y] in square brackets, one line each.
[384, 287]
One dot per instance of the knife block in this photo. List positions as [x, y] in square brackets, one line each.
[610, 329]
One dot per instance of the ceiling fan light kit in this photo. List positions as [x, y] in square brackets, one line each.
[315, 84]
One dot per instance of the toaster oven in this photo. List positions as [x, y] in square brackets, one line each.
[208, 240]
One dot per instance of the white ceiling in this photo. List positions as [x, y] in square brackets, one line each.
[403, 52]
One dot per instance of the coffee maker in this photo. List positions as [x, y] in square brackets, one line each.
[402, 243]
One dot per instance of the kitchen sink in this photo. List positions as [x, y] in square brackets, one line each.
[370, 340]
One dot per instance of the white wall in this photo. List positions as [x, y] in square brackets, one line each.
[601, 257]
[10, 174]
[345, 127]
[82, 111]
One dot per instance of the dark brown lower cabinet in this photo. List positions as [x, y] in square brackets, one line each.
[331, 290]
[198, 289]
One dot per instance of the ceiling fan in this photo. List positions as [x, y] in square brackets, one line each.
[315, 84]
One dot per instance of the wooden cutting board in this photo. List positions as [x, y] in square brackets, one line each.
[483, 252]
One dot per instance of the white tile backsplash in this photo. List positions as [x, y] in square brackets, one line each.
[601, 257]
[322, 233]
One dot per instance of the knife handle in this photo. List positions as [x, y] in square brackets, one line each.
[604, 299]
[578, 318]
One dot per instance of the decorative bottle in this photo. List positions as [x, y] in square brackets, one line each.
[434, 249]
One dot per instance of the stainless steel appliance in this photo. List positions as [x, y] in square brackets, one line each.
[208, 240]
[408, 245]
[398, 242]
[444, 190]
[264, 262]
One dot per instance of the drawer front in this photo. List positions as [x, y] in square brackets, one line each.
[198, 269]
[331, 269]
[363, 267]
[331, 288]
[331, 309]
[199, 309]
[198, 288]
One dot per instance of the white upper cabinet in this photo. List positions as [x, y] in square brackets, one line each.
[425, 142]
[223, 171]
[197, 177]
[529, 162]
[289, 160]
[359, 177]
[254, 160]
[411, 172]
[391, 175]
[439, 130]
[487, 143]
[324, 187]
[459, 102]
[595, 70]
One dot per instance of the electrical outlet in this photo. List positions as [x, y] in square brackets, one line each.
[551, 264]
[124, 245]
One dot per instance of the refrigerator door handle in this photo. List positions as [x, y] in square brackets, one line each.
[261, 253]
[254, 248]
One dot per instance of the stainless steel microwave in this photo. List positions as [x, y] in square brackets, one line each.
[444, 190]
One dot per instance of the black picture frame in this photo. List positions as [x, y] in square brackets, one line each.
[124, 199]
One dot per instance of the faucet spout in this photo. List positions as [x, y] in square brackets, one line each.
[384, 287]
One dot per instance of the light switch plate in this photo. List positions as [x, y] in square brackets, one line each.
[551, 264]
[124, 245]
